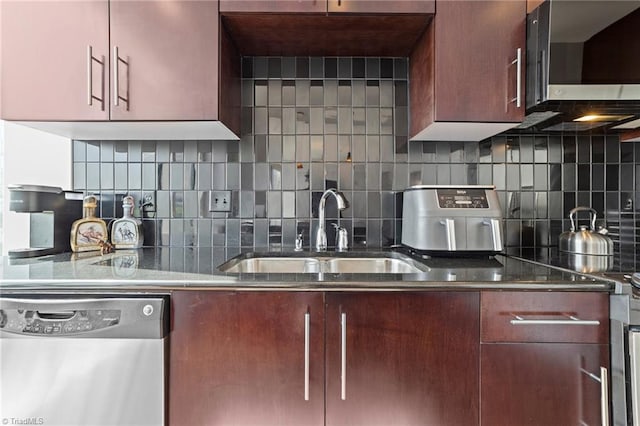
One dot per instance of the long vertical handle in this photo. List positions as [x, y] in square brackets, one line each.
[450, 229]
[116, 92]
[343, 356]
[90, 75]
[604, 396]
[518, 63]
[495, 233]
[307, 319]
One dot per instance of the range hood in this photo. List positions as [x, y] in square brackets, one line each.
[582, 63]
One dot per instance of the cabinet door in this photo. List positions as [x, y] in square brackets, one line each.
[273, 6]
[45, 63]
[552, 384]
[381, 6]
[476, 76]
[402, 358]
[167, 67]
[239, 358]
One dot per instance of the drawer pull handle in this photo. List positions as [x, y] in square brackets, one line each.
[343, 356]
[518, 320]
[307, 318]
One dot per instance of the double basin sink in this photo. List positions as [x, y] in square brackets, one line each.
[314, 263]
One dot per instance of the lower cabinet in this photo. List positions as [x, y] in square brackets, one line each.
[307, 358]
[542, 384]
[402, 358]
[544, 358]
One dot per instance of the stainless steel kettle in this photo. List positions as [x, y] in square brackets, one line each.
[585, 241]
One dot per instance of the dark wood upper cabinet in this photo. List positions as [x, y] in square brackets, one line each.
[238, 358]
[167, 64]
[117, 60]
[326, 27]
[384, 6]
[467, 71]
[402, 358]
[53, 60]
[274, 6]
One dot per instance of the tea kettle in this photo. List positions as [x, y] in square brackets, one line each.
[585, 240]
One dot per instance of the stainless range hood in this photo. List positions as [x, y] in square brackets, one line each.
[583, 60]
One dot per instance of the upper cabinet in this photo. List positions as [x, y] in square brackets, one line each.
[326, 27]
[164, 60]
[384, 6]
[54, 58]
[331, 6]
[467, 71]
[116, 60]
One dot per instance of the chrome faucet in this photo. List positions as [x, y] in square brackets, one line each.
[321, 234]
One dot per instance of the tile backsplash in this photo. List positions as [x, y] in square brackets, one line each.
[309, 124]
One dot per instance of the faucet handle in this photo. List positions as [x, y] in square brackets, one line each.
[299, 242]
[342, 238]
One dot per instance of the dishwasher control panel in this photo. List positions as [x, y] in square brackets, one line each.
[33, 322]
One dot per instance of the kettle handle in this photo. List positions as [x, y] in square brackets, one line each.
[572, 216]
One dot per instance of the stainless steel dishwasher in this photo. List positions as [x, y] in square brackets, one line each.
[83, 360]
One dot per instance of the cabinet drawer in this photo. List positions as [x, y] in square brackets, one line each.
[544, 317]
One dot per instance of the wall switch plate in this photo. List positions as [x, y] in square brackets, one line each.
[219, 201]
[147, 205]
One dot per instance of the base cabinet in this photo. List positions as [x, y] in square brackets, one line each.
[310, 358]
[552, 384]
[238, 358]
[402, 358]
[544, 358]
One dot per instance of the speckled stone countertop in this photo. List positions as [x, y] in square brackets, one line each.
[165, 269]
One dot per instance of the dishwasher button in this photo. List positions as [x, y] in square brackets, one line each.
[147, 310]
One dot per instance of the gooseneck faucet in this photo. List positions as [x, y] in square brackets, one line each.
[321, 234]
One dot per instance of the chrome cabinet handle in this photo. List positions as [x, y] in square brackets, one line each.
[307, 319]
[603, 379]
[495, 233]
[604, 396]
[343, 356]
[449, 226]
[571, 321]
[116, 92]
[518, 63]
[89, 75]
[90, 95]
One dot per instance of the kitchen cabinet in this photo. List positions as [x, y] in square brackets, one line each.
[45, 60]
[544, 358]
[331, 6]
[326, 28]
[116, 60]
[402, 358]
[239, 358]
[467, 71]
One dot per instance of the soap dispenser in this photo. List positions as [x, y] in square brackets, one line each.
[126, 232]
[90, 232]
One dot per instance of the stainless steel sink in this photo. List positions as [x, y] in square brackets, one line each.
[346, 263]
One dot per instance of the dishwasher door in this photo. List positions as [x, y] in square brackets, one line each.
[83, 360]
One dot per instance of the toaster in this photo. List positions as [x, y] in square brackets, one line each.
[452, 220]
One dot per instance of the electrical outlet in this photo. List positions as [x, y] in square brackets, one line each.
[219, 201]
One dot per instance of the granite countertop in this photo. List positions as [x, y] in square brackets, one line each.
[179, 268]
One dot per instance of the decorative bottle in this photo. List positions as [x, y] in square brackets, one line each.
[126, 232]
[90, 232]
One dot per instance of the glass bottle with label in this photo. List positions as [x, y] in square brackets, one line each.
[90, 232]
[126, 232]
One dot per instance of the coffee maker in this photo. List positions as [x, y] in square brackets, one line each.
[52, 211]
